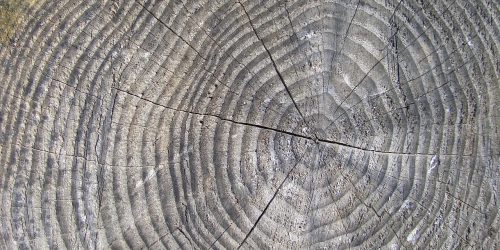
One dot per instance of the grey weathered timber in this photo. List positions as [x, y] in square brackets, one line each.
[200, 124]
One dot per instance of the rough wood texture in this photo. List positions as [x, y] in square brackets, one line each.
[253, 124]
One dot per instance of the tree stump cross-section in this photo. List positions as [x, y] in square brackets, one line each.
[286, 124]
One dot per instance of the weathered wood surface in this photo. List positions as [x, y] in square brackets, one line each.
[252, 124]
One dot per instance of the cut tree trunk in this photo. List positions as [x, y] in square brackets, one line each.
[253, 124]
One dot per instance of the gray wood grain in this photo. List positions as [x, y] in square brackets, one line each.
[202, 124]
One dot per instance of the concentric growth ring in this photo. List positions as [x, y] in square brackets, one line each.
[251, 124]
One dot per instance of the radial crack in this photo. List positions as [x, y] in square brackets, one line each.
[272, 198]
[275, 67]
[218, 117]
[220, 236]
[169, 28]
[383, 57]
[346, 33]
[316, 139]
